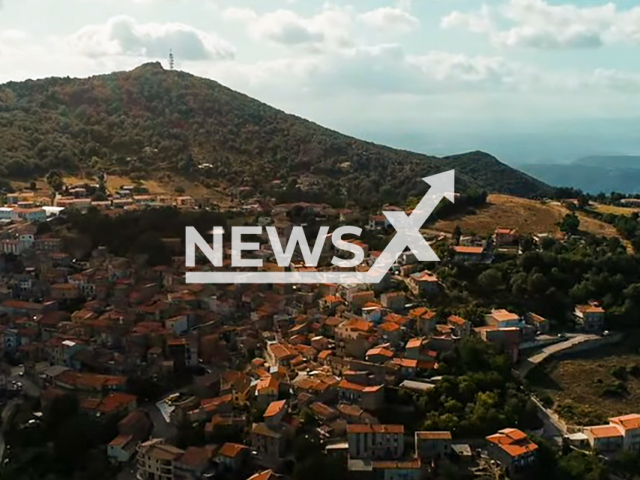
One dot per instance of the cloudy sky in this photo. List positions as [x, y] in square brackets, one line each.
[528, 80]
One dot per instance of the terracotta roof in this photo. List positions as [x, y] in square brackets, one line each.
[502, 315]
[196, 456]
[425, 276]
[281, 351]
[513, 441]
[406, 362]
[263, 429]
[165, 452]
[134, 418]
[333, 321]
[457, 320]
[231, 450]
[391, 465]
[380, 351]
[422, 312]
[590, 308]
[434, 435]
[350, 410]
[324, 354]
[534, 317]
[415, 343]
[628, 422]
[469, 250]
[375, 429]
[358, 324]
[605, 431]
[275, 408]
[395, 318]
[266, 475]
[323, 410]
[333, 299]
[347, 385]
[390, 327]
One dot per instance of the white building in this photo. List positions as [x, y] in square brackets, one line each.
[8, 213]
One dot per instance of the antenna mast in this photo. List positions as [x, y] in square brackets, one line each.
[171, 60]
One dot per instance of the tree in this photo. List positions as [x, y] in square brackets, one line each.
[179, 189]
[457, 233]
[99, 197]
[491, 280]
[583, 201]
[570, 224]
[626, 464]
[578, 466]
[54, 180]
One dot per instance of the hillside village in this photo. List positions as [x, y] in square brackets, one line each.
[189, 381]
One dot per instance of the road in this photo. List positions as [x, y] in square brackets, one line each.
[7, 413]
[552, 429]
[29, 388]
[551, 350]
[161, 428]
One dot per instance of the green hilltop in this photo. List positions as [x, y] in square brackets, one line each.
[151, 120]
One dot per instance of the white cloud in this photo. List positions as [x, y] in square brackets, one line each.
[376, 71]
[477, 22]
[13, 36]
[390, 19]
[329, 28]
[124, 36]
[540, 25]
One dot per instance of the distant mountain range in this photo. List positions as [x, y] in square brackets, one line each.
[593, 174]
[149, 120]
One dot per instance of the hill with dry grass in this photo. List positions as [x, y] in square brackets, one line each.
[528, 216]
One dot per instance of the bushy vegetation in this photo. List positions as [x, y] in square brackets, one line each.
[136, 232]
[549, 281]
[477, 396]
[68, 444]
[150, 120]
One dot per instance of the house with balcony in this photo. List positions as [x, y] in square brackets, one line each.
[156, 460]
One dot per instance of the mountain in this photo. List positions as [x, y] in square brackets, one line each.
[621, 162]
[593, 174]
[150, 120]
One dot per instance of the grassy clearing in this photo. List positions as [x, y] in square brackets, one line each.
[528, 216]
[615, 210]
[594, 386]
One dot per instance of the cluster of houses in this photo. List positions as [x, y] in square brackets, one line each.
[269, 360]
[27, 205]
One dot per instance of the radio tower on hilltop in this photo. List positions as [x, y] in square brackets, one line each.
[171, 61]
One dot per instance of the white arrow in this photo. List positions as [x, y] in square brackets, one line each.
[408, 227]
[408, 235]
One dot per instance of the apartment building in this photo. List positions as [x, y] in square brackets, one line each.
[156, 460]
[381, 442]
